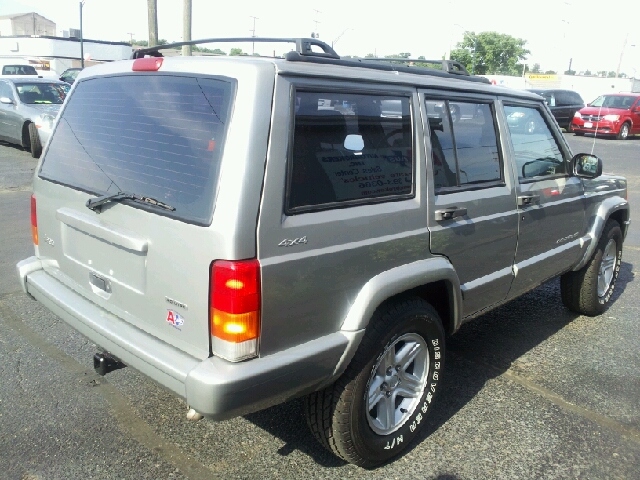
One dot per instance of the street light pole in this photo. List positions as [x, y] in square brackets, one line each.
[81, 38]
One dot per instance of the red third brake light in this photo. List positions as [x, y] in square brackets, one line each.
[235, 308]
[150, 64]
[34, 221]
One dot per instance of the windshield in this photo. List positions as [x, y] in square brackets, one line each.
[19, 70]
[42, 93]
[613, 101]
[155, 136]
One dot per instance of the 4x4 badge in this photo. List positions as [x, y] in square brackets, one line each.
[290, 243]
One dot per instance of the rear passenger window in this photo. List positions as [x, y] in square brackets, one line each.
[464, 147]
[349, 148]
[537, 152]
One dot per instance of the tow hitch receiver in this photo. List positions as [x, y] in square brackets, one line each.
[104, 363]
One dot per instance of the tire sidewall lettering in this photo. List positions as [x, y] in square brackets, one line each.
[389, 445]
[604, 300]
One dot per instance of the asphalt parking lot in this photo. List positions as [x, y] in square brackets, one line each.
[531, 389]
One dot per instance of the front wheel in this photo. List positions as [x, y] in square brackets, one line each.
[623, 134]
[34, 141]
[379, 404]
[588, 291]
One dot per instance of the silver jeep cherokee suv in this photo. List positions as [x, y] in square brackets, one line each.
[249, 230]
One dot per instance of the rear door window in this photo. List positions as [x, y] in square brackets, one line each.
[464, 143]
[348, 149]
[157, 136]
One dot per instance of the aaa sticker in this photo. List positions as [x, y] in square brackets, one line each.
[174, 318]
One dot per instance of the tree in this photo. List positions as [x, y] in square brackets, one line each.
[550, 72]
[571, 72]
[536, 68]
[602, 73]
[236, 52]
[490, 53]
[588, 72]
[611, 74]
[370, 55]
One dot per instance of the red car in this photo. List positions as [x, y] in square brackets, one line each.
[616, 114]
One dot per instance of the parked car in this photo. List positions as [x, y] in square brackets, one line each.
[69, 75]
[28, 108]
[616, 115]
[247, 230]
[562, 103]
[19, 70]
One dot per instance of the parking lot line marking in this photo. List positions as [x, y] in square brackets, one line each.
[128, 420]
[597, 418]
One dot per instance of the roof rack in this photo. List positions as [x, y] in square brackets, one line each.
[449, 66]
[303, 46]
[305, 53]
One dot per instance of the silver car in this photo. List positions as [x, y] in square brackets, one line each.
[247, 230]
[28, 108]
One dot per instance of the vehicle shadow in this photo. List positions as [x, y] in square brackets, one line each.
[481, 350]
[12, 145]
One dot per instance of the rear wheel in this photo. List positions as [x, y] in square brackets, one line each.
[379, 404]
[570, 128]
[623, 133]
[588, 291]
[34, 141]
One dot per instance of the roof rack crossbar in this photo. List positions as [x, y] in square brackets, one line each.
[303, 46]
[449, 66]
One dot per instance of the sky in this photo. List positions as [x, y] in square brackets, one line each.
[555, 30]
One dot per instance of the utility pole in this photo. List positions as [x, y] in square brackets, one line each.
[130, 37]
[315, 33]
[624, 45]
[253, 34]
[152, 10]
[81, 38]
[186, 28]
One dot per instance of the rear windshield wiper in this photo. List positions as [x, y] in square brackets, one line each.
[95, 204]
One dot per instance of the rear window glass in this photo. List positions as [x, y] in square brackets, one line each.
[152, 135]
[349, 147]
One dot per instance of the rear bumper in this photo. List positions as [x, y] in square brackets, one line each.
[213, 387]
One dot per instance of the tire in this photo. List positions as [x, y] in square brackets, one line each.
[348, 417]
[34, 141]
[588, 291]
[623, 133]
[579, 134]
[569, 128]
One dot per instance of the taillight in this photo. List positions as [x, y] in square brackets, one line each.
[235, 308]
[149, 64]
[34, 221]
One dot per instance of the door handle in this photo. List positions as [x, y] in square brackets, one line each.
[526, 200]
[449, 213]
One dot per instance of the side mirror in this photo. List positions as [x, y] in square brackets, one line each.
[586, 166]
[6, 101]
